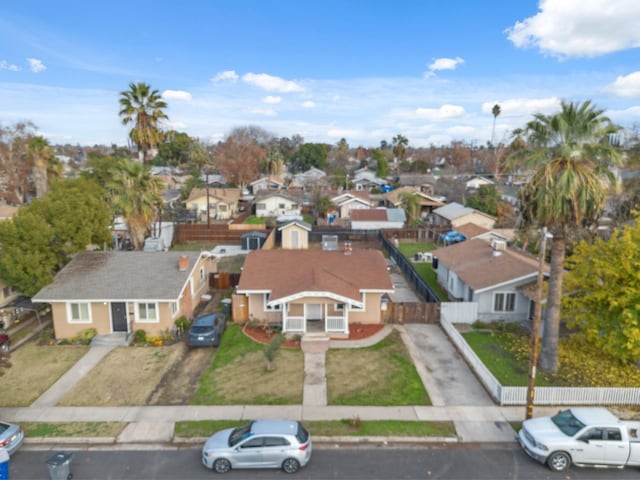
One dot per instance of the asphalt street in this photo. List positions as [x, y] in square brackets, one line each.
[468, 462]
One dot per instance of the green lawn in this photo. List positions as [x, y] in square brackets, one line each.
[253, 220]
[425, 270]
[351, 427]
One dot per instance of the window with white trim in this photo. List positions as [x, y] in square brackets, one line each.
[355, 308]
[174, 308]
[270, 308]
[79, 313]
[504, 302]
[147, 313]
[261, 206]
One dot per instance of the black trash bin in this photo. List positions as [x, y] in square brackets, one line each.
[60, 466]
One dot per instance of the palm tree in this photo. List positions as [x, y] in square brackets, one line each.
[411, 204]
[42, 156]
[135, 194]
[572, 153]
[495, 111]
[145, 107]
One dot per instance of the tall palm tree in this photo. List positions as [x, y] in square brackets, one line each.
[572, 153]
[411, 204]
[495, 111]
[144, 107]
[42, 156]
[135, 194]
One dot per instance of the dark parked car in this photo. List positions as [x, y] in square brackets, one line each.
[11, 436]
[5, 343]
[206, 330]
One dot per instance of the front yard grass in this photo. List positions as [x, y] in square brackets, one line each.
[34, 369]
[380, 375]
[126, 376]
[505, 350]
[238, 374]
[353, 427]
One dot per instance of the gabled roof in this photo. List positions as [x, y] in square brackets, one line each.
[119, 276]
[478, 265]
[471, 230]
[264, 194]
[453, 210]
[228, 195]
[395, 197]
[284, 273]
[299, 223]
[270, 178]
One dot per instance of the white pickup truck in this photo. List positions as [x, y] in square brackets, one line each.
[581, 436]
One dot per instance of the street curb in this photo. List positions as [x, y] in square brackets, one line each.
[200, 440]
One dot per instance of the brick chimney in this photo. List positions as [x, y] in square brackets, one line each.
[183, 263]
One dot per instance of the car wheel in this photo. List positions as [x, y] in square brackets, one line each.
[221, 465]
[559, 461]
[5, 347]
[291, 465]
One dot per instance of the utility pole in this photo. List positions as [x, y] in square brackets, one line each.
[535, 336]
[208, 212]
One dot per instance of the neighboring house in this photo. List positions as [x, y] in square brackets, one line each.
[223, 202]
[477, 182]
[267, 183]
[489, 273]
[425, 183]
[452, 215]
[395, 199]
[294, 235]
[351, 200]
[377, 218]
[303, 289]
[214, 180]
[8, 295]
[365, 180]
[311, 177]
[124, 292]
[275, 204]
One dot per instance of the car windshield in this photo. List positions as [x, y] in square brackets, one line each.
[567, 423]
[197, 329]
[239, 433]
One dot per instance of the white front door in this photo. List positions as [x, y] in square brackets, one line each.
[313, 311]
[295, 242]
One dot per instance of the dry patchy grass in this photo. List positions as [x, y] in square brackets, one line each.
[245, 380]
[34, 369]
[73, 429]
[383, 374]
[126, 376]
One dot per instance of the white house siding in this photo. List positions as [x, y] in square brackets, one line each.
[485, 301]
[364, 225]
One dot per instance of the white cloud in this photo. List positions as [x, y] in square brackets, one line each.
[4, 65]
[270, 99]
[178, 95]
[626, 85]
[443, 64]
[523, 106]
[579, 28]
[308, 104]
[36, 65]
[445, 112]
[267, 112]
[228, 76]
[271, 83]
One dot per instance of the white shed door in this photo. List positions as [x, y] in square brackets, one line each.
[313, 311]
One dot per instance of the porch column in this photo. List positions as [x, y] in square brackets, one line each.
[284, 318]
[346, 319]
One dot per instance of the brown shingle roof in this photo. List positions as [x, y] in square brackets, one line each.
[475, 262]
[471, 230]
[228, 195]
[369, 215]
[287, 272]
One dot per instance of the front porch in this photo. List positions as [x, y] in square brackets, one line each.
[308, 317]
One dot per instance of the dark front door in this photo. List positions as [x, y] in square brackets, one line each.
[119, 317]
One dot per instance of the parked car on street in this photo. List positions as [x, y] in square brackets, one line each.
[284, 444]
[5, 342]
[206, 330]
[11, 436]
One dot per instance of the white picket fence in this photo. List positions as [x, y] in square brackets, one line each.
[542, 395]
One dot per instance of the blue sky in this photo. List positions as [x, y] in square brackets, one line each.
[362, 70]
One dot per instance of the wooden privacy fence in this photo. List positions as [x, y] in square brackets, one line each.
[214, 233]
[416, 312]
[542, 395]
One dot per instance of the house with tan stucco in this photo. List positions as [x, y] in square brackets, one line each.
[121, 292]
[314, 290]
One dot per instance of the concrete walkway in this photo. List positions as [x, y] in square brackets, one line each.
[65, 383]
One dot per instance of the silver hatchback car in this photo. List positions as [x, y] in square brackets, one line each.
[282, 444]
